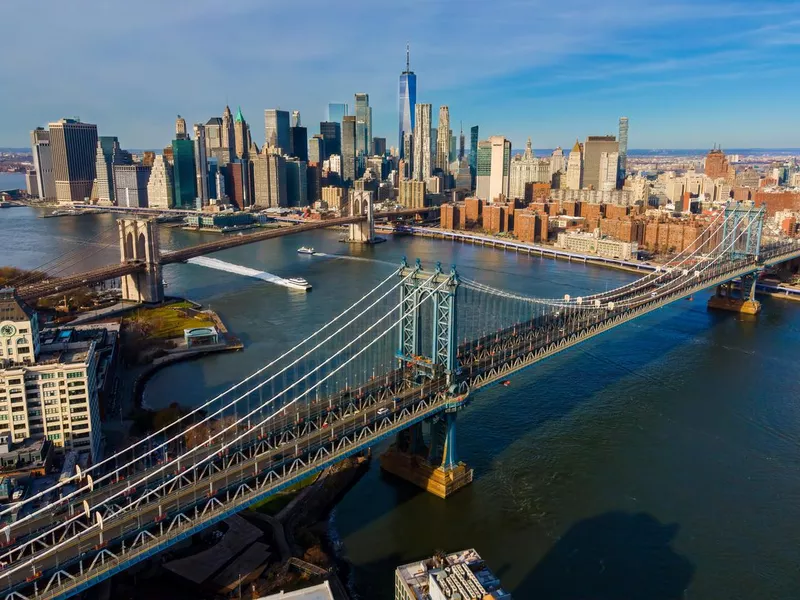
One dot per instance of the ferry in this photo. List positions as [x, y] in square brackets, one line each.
[298, 283]
[305, 250]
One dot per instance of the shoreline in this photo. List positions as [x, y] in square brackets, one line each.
[509, 244]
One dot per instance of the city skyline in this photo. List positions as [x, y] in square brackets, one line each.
[558, 73]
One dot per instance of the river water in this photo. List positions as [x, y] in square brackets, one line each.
[657, 461]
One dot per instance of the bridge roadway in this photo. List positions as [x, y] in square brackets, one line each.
[483, 362]
[71, 282]
[317, 411]
[223, 482]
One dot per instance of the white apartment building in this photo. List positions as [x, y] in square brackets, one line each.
[46, 392]
[588, 243]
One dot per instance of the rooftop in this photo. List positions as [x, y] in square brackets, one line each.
[12, 308]
[315, 592]
[461, 575]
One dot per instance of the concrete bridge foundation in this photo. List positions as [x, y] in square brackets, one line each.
[138, 242]
[742, 300]
[434, 467]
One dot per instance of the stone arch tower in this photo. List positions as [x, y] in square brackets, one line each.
[362, 232]
[138, 242]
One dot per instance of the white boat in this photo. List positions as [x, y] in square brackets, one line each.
[298, 283]
[304, 250]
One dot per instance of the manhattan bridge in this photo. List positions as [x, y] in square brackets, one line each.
[414, 350]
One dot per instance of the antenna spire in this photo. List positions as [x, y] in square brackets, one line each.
[408, 58]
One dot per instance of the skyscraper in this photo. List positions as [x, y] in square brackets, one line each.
[299, 139]
[337, 111]
[422, 142]
[295, 122]
[363, 124]
[408, 152]
[407, 100]
[443, 140]
[296, 182]
[623, 148]
[557, 161]
[276, 129]
[473, 153]
[43, 163]
[159, 187]
[575, 168]
[241, 134]
[276, 174]
[331, 132]
[316, 149]
[228, 136]
[73, 147]
[213, 136]
[609, 171]
[527, 169]
[349, 149]
[108, 155]
[494, 158]
[461, 149]
[201, 163]
[595, 145]
[184, 175]
[130, 185]
[180, 128]
[379, 146]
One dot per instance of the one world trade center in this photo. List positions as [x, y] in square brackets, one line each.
[406, 102]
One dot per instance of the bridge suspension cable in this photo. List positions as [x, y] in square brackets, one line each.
[69, 258]
[663, 270]
[697, 272]
[601, 301]
[391, 327]
[200, 408]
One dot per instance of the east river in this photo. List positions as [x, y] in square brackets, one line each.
[657, 461]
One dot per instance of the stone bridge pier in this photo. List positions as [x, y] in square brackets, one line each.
[363, 232]
[138, 243]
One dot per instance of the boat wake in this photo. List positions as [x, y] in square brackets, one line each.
[348, 257]
[221, 265]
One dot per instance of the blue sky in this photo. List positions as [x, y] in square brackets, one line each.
[687, 74]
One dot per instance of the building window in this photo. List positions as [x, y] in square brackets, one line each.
[75, 374]
[53, 436]
[48, 376]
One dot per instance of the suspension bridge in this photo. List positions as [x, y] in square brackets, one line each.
[141, 259]
[398, 364]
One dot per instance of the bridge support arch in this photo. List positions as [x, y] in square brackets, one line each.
[138, 242]
[363, 232]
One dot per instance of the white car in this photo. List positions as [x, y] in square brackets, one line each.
[383, 411]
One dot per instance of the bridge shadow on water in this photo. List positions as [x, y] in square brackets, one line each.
[614, 556]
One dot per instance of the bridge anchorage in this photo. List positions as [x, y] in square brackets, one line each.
[433, 466]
